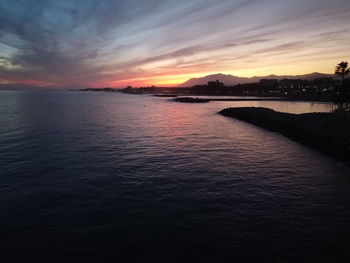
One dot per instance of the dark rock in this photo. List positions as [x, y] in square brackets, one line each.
[326, 132]
[165, 95]
[191, 100]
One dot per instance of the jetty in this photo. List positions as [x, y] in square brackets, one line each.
[325, 132]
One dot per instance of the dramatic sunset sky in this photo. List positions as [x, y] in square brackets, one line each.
[67, 43]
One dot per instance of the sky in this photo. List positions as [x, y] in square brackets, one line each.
[101, 43]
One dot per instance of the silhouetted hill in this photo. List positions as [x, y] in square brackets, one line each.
[230, 80]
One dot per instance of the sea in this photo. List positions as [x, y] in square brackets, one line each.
[113, 177]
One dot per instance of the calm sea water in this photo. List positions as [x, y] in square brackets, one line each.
[101, 176]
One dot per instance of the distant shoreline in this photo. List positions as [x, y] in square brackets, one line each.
[208, 99]
[188, 97]
[325, 132]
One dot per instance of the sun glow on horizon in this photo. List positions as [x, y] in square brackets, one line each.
[116, 44]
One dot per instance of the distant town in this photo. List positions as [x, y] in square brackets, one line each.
[322, 89]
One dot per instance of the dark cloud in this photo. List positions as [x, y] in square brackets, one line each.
[55, 39]
[87, 42]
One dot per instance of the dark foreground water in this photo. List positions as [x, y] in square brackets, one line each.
[109, 177]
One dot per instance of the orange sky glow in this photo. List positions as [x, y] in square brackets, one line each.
[167, 43]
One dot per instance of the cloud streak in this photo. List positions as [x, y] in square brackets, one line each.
[105, 43]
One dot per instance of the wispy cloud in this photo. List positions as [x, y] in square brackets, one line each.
[94, 43]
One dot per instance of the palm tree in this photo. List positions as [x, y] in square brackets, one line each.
[342, 70]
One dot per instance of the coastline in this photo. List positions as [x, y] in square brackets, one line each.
[325, 132]
[216, 97]
[242, 98]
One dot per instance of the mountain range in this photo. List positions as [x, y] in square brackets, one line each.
[230, 80]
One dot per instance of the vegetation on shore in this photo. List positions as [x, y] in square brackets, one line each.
[342, 98]
[326, 132]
